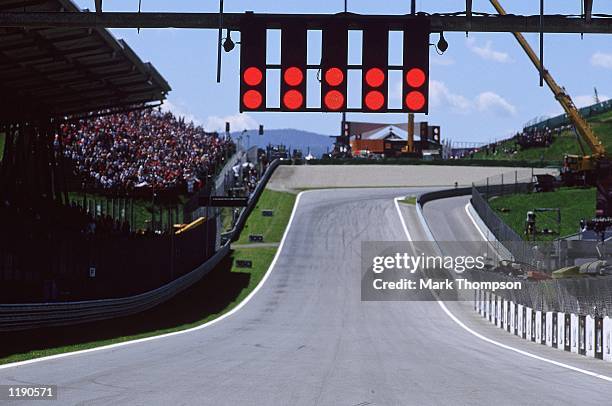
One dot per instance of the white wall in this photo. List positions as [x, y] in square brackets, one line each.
[528, 323]
[561, 331]
[538, 326]
[520, 320]
[607, 338]
[548, 327]
[574, 330]
[590, 336]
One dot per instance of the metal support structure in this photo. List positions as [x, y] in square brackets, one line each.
[410, 140]
[468, 14]
[541, 43]
[232, 21]
[219, 39]
[588, 10]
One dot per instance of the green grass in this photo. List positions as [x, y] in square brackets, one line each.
[564, 144]
[575, 204]
[217, 293]
[272, 228]
[409, 200]
[226, 218]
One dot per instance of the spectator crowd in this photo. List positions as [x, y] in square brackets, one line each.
[142, 149]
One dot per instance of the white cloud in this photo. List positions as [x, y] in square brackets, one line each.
[602, 60]
[441, 96]
[487, 52]
[489, 101]
[442, 61]
[238, 122]
[180, 111]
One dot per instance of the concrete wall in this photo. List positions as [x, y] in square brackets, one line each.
[329, 176]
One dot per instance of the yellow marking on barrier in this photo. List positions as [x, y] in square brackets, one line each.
[193, 224]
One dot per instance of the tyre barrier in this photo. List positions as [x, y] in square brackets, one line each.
[582, 334]
[35, 315]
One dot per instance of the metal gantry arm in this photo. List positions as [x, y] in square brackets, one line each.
[232, 21]
[582, 126]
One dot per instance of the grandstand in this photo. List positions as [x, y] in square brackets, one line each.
[142, 151]
[562, 120]
[65, 90]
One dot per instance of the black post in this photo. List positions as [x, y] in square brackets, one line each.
[132, 228]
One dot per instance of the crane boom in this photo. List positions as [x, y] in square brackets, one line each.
[582, 126]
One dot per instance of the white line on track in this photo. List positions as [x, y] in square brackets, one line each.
[467, 211]
[496, 343]
[200, 327]
[399, 213]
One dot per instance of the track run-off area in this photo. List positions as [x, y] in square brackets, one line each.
[305, 337]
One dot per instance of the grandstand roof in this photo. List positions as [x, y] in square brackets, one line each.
[56, 72]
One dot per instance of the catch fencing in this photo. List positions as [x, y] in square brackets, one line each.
[581, 294]
[578, 295]
[562, 119]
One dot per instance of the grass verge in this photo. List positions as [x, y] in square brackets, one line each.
[409, 200]
[575, 204]
[271, 228]
[217, 293]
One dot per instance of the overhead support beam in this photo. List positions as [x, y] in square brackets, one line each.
[232, 21]
[588, 10]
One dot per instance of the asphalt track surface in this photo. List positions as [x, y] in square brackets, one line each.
[306, 338]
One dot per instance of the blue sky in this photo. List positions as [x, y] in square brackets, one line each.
[483, 88]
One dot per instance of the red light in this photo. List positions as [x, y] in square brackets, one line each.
[252, 99]
[293, 76]
[374, 100]
[334, 76]
[252, 76]
[293, 99]
[334, 100]
[415, 77]
[375, 77]
[415, 100]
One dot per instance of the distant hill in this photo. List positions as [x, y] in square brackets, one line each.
[296, 139]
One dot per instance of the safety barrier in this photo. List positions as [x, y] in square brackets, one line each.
[582, 334]
[34, 315]
[28, 316]
[234, 233]
[528, 316]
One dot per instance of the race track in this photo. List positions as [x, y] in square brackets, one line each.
[306, 338]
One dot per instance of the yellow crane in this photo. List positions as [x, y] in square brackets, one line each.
[597, 166]
[582, 126]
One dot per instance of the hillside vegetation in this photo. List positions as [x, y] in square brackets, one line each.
[575, 204]
[565, 143]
